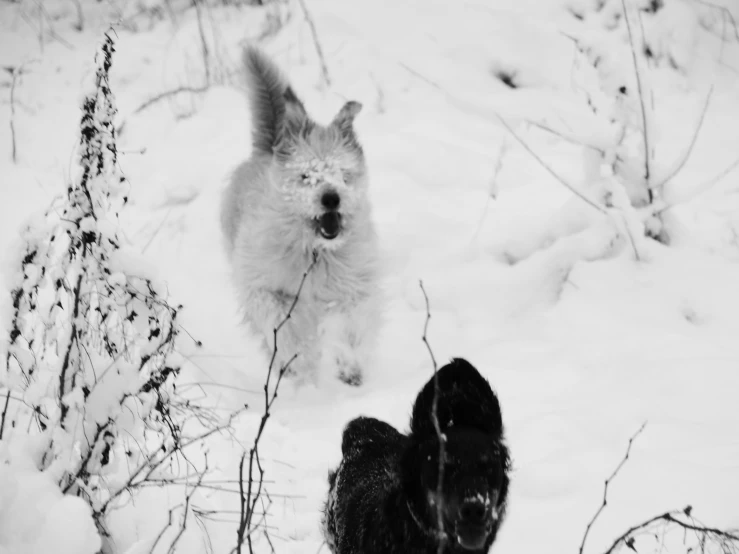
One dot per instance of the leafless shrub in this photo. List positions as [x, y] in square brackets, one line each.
[91, 356]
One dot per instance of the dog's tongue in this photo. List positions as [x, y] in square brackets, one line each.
[330, 225]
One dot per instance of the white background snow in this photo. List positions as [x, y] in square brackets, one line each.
[582, 342]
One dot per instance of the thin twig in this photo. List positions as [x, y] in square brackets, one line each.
[157, 230]
[5, 412]
[680, 163]
[631, 237]
[566, 138]
[670, 517]
[15, 74]
[439, 435]
[645, 131]
[189, 495]
[248, 500]
[319, 49]
[705, 186]
[164, 530]
[167, 94]
[726, 13]
[549, 169]
[152, 464]
[203, 41]
[608, 481]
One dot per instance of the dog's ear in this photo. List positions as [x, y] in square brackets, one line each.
[344, 120]
[465, 399]
[294, 117]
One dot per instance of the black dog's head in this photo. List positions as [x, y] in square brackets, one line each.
[476, 461]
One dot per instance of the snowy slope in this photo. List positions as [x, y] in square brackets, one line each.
[581, 341]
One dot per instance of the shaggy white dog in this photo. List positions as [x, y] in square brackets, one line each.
[302, 197]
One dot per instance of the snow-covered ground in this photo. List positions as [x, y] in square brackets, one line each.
[582, 342]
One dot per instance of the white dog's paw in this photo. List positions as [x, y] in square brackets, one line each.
[349, 372]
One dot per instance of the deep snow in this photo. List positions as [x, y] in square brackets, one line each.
[581, 342]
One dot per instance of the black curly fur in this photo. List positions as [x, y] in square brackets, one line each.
[379, 499]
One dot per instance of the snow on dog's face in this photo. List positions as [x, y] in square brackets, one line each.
[473, 486]
[323, 174]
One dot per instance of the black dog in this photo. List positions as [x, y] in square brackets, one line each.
[383, 496]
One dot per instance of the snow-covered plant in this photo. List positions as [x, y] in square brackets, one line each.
[91, 356]
[642, 35]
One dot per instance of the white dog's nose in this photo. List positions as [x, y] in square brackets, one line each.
[330, 200]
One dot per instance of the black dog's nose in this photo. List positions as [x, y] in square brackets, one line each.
[330, 200]
[472, 511]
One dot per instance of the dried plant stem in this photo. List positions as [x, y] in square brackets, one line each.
[5, 413]
[680, 163]
[316, 42]
[167, 94]
[607, 482]
[549, 169]
[203, 40]
[703, 187]
[250, 497]
[645, 130]
[564, 137]
[15, 74]
[439, 435]
[702, 531]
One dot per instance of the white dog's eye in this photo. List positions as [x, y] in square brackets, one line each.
[347, 175]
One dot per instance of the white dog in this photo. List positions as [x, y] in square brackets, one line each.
[300, 197]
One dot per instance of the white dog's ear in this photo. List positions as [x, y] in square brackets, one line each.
[295, 117]
[345, 118]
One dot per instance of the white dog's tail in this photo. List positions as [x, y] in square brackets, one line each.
[271, 99]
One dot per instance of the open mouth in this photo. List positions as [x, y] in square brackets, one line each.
[472, 537]
[329, 225]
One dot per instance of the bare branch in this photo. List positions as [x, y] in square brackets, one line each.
[424, 338]
[441, 537]
[564, 137]
[203, 41]
[5, 413]
[549, 169]
[725, 14]
[15, 73]
[319, 50]
[645, 130]
[680, 162]
[80, 25]
[608, 481]
[189, 495]
[672, 518]
[167, 94]
[164, 530]
[703, 187]
[248, 500]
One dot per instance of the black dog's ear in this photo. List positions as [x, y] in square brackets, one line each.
[465, 399]
[367, 432]
[344, 120]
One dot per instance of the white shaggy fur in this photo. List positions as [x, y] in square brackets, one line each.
[276, 217]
